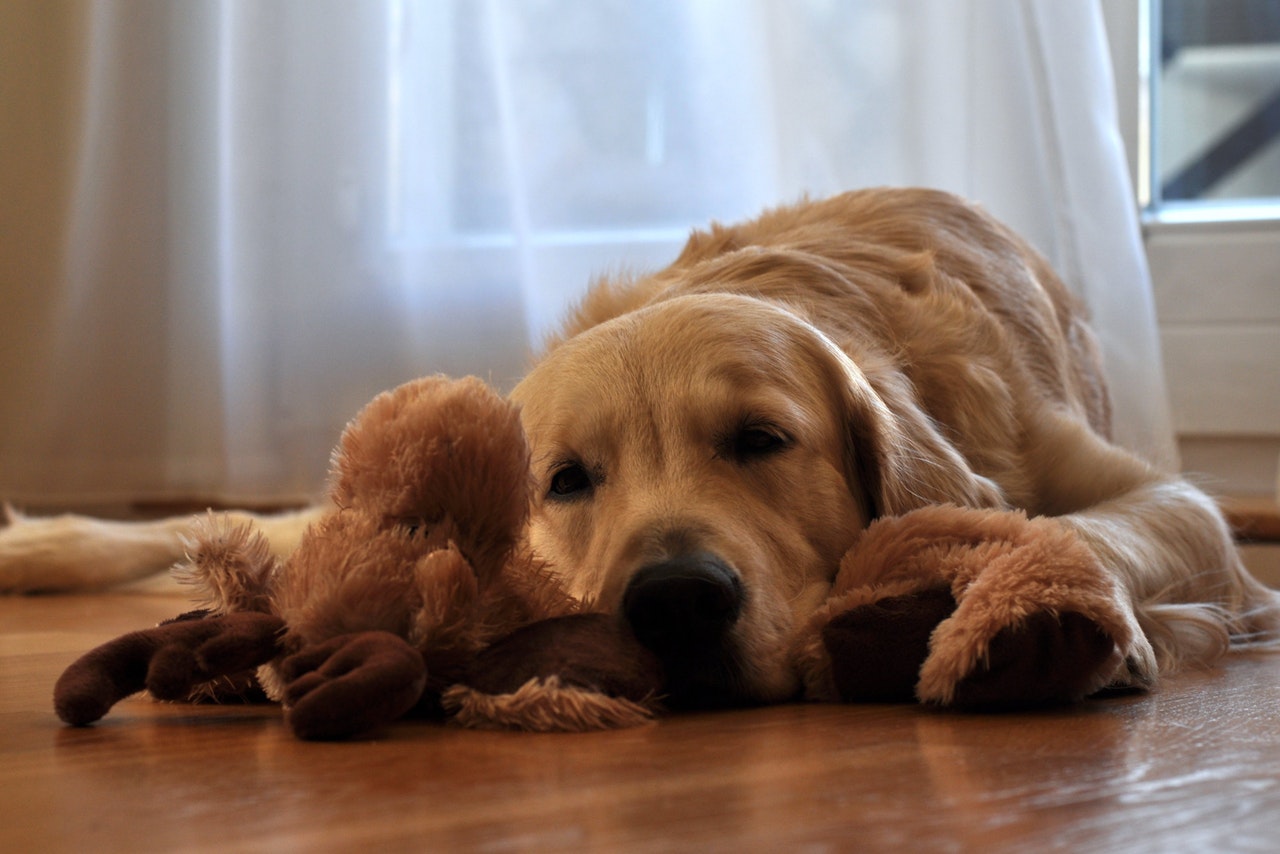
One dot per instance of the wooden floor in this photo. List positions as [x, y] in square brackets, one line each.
[1195, 767]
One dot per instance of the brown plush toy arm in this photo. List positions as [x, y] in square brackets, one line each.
[170, 660]
[966, 608]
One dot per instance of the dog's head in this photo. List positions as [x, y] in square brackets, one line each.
[702, 465]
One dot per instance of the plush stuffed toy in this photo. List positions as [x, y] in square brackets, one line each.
[412, 594]
[416, 595]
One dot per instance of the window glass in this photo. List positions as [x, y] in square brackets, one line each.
[1215, 106]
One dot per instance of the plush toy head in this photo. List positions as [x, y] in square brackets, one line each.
[438, 453]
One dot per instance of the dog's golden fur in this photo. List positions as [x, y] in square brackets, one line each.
[786, 381]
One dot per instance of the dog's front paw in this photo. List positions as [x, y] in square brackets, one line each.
[350, 684]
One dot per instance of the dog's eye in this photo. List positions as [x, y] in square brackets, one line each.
[570, 481]
[753, 442]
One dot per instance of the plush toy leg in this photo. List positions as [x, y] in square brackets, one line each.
[565, 674]
[351, 684]
[171, 661]
[967, 608]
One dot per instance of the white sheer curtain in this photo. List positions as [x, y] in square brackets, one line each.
[227, 224]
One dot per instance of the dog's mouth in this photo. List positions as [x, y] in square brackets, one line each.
[684, 610]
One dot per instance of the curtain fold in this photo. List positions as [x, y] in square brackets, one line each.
[228, 223]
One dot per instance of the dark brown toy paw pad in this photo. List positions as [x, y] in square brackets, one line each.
[350, 684]
[1046, 659]
[876, 649]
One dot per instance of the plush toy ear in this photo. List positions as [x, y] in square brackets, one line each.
[898, 456]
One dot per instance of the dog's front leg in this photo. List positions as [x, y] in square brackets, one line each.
[66, 553]
[1171, 551]
[1166, 544]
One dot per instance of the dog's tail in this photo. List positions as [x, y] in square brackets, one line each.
[69, 553]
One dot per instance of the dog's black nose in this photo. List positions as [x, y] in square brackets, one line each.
[689, 601]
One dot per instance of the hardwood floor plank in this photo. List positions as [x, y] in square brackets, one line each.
[1190, 768]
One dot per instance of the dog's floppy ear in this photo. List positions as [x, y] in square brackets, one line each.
[899, 457]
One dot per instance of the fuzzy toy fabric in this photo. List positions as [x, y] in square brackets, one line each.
[966, 608]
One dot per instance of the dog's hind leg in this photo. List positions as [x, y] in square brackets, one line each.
[68, 553]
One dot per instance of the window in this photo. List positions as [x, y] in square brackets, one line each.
[1214, 109]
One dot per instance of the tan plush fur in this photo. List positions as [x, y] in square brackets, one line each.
[1000, 567]
[429, 498]
[543, 705]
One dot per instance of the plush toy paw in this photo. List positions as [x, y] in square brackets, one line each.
[350, 684]
[875, 650]
[565, 674]
[1042, 660]
[968, 609]
[172, 661]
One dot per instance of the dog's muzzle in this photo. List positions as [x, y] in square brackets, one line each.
[684, 609]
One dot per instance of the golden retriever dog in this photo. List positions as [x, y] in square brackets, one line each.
[708, 441]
